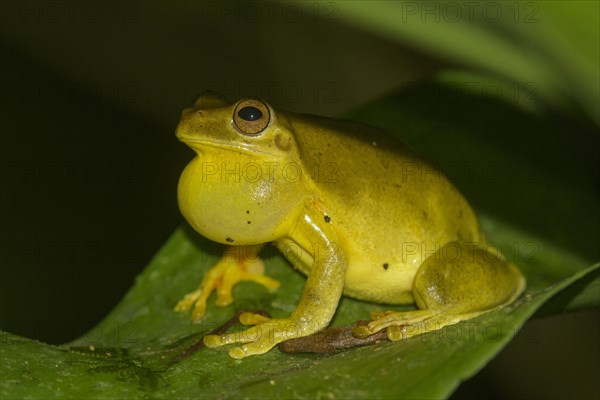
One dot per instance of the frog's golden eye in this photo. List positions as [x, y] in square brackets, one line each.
[251, 117]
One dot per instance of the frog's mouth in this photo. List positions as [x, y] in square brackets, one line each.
[199, 144]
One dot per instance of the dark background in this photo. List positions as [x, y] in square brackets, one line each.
[89, 161]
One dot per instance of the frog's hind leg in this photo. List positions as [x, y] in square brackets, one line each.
[457, 283]
[403, 325]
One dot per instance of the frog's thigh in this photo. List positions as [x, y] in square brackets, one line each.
[456, 283]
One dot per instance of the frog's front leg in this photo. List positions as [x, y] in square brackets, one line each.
[319, 299]
[238, 263]
[457, 283]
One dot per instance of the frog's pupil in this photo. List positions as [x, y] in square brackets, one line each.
[250, 113]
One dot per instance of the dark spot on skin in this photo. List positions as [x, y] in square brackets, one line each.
[230, 240]
[425, 215]
[385, 266]
[314, 297]
[327, 219]
[248, 222]
[247, 211]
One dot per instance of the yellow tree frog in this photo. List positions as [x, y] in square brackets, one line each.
[350, 207]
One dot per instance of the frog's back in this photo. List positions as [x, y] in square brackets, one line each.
[390, 207]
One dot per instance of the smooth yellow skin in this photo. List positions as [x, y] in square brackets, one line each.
[354, 210]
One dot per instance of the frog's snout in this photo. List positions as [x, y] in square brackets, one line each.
[187, 112]
[181, 132]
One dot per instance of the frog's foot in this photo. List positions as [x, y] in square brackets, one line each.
[403, 325]
[251, 318]
[262, 337]
[222, 278]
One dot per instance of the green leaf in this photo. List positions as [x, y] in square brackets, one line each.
[134, 347]
[551, 47]
[132, 352]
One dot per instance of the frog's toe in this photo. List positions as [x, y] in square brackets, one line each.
[250, 349]
[391, 320]
[253, 270]
[237, 353]
[187, 302]
[395, 333]
[245, 336]
[361, 331]
[400, 319]
[195, 300]
[235, 273]
[250, 318]
[224, 295]
[381, 314]
[214, 340]
[199, 310]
